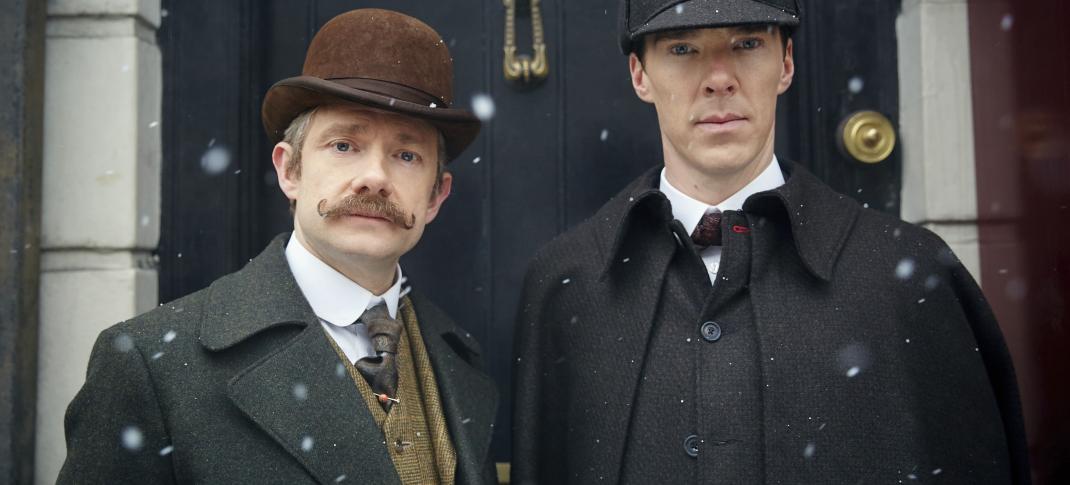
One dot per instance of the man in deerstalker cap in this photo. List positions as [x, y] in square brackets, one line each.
[728, 318]
[313, 364]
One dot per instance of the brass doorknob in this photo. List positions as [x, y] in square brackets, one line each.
[868, 136]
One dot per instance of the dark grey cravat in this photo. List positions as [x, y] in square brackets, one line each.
[381, 371]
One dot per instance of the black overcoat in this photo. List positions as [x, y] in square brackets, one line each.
[876, 357]
[237, 383]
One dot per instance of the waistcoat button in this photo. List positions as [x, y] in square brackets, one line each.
[711, 331]
[691, 446]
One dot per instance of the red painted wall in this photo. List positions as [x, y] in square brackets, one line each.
[1020, 60]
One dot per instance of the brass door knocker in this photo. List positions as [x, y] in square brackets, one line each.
[522, 68]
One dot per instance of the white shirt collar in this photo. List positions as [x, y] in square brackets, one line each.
[335, 298]
[690, 211]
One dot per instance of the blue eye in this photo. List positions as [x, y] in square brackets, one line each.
[342, 146]
[749, 44]
[680, 49]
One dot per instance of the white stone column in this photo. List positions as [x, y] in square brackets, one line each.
[101, 192]
[936, 124]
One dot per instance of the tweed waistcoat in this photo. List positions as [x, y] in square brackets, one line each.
[705, 385]
[414, 431]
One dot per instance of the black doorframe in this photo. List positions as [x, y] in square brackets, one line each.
[21, 126]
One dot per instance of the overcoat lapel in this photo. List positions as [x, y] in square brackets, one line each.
[313, 411]
[469, 398]
[639, 241]
[299, 394]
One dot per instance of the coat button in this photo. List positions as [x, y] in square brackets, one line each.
[711, 331]
[691, 446]
[401, 445]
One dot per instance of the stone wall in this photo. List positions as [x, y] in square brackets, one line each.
[936, 124]
[101, 192]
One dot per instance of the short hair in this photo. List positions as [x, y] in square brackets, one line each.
[786, 31]
[297, 132]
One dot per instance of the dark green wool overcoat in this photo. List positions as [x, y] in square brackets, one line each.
[839, 345]
[237, 383]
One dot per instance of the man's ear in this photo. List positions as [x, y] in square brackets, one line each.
[788, 72]
[439, 197]
[281, 157]
[640, 81]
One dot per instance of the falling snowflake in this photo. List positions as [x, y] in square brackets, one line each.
[1007, 22]
[300, 391]
[132, 438]
[855, 85]
[905, 269]
[853, 359]
[1016, 289]
[483, 106]
[123, 343]
[215, 160]
[306, 444]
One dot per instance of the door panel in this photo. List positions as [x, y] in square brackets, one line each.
[551, 155]
[846, 58]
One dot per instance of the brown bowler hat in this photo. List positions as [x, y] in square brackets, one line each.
[377, 58]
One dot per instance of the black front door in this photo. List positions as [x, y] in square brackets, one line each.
[549, 157]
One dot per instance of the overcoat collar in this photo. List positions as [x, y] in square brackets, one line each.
[300, 394]
[262, 295]
[820, 218]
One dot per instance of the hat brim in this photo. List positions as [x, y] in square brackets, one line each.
[288, 98]
[697, 14]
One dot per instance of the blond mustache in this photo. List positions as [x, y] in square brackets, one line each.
[367, 206]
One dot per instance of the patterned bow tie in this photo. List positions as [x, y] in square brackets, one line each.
[381, 371]
[708, 231]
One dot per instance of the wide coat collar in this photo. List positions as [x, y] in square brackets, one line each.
[820, 219]
[638, 237]
[300, 394]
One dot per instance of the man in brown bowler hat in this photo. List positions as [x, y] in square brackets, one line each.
[313, 364]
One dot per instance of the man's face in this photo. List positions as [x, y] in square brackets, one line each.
[715, 91]
[364, 189]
